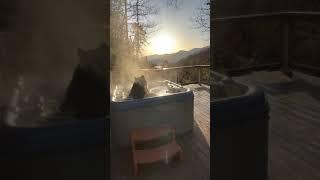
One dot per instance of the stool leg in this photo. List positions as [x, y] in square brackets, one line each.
[167, 161]
[135, 168]
[181, 155]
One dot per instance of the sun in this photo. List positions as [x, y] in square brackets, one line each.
[163, 44]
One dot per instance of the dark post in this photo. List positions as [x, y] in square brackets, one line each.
[199, 76]
[286, 43]
[285, 62]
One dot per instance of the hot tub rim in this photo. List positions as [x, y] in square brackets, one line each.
[241, 109]
[151, 101]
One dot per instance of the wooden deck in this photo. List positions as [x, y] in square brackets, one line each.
[294, 133]
[195, 145]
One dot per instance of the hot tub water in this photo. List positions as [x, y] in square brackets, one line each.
[157, 88]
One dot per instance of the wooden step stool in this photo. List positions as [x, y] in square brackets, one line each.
[164, 152]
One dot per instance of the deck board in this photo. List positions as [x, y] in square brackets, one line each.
[195, 145]
[294, 134]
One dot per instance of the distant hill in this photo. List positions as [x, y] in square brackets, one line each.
[200, 58]
[175, 57]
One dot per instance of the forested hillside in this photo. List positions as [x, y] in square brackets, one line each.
[200, 58]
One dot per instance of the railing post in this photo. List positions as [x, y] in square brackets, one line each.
[199, 76]
[177, 76]
[285, 61]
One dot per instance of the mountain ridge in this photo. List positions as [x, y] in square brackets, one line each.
[173, 58]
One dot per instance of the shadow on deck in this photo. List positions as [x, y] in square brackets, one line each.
[294, 133]
[196, 147]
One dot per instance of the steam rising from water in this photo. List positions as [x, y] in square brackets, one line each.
[28, 107]
[124, 71]
[42, 47]
[126, 67]
[156, 88]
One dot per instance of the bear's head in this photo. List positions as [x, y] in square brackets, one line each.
[95, 59]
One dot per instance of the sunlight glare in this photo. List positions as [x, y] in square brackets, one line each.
[163, 44]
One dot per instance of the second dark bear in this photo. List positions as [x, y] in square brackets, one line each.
[86, 96]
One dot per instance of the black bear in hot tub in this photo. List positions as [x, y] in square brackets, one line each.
[86, 95]
[139, 88]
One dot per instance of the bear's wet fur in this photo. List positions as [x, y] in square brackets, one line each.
[139, 88]
[86, 95]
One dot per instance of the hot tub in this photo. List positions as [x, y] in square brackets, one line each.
[170, 104]
[52, 134]
[64, 147]
[239, 119]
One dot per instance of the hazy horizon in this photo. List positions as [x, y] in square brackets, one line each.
[177, 51]
[175, 29]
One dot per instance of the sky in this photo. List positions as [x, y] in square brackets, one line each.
[175, 30]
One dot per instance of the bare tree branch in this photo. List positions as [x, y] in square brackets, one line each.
[201, 19]
[174, 3]
[139, 17]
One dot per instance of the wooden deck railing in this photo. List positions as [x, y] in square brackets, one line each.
[257, 67]
[181, 68]
[287, 17]
[283, 14]
[176, 73]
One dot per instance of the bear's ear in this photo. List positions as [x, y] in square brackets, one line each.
[81, 52]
